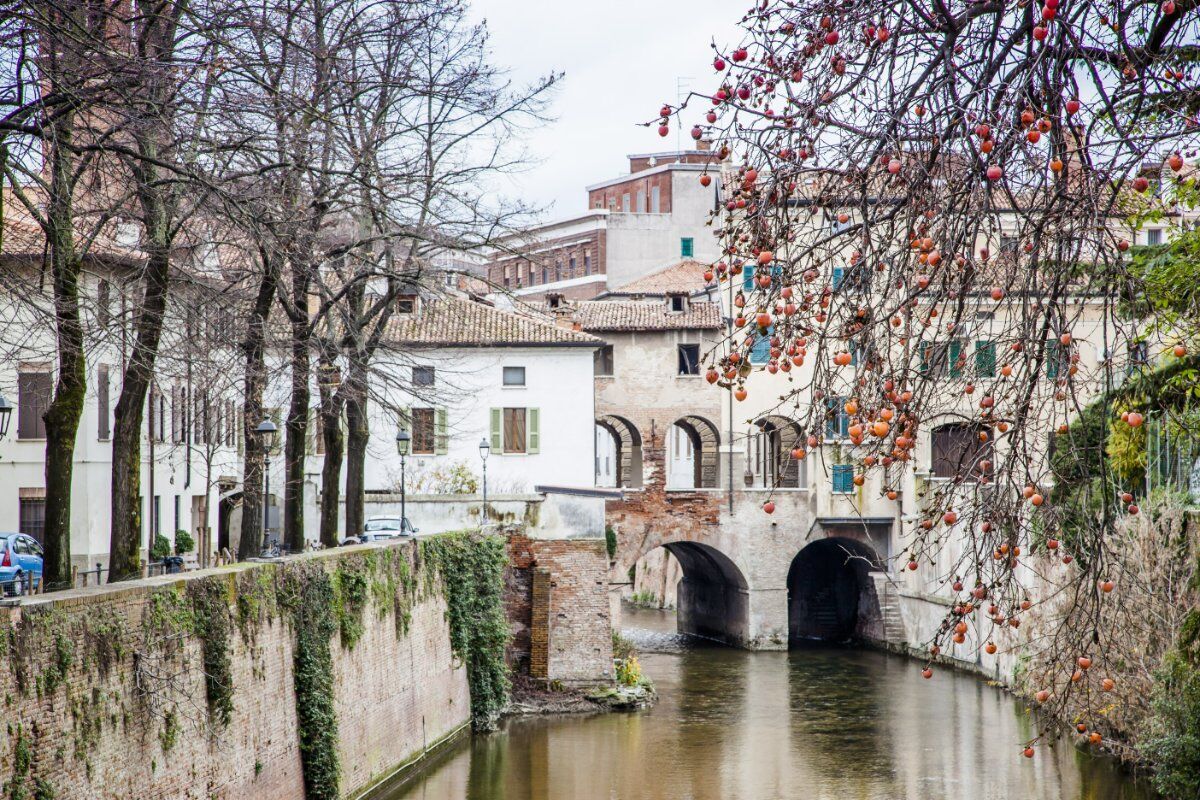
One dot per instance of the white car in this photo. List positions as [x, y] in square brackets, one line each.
[379, 529]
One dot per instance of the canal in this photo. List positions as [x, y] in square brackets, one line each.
[820, 723]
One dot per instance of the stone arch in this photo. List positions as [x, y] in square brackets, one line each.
[777, 437]
[713, 596]
[832, 592]
[705, 461]
[628, 446]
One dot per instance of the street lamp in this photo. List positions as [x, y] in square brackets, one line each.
[266, 432]
[403, 439]
[484, 450]
[6, 409]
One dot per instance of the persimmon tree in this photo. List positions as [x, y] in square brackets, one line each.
[901, 176]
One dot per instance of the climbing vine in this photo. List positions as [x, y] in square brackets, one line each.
[210, 606]
[307, 594]
[471, 568]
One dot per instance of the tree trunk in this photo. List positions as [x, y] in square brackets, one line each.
[250, 541]
[331, 470]
[297, 428]
[125, 541]
[63, 415]
[356, 450]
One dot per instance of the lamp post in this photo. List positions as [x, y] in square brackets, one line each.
[403, 439]
[266, 431]
[6, 409]
[484, 450]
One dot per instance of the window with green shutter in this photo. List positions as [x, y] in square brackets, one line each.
[1054, 356]
[956, 367]
[533, 420]
[686, 247]
[441, 437]
[843, 478]
[985, 359]
[497, 430]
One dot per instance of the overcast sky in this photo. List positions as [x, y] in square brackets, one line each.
[622, 60]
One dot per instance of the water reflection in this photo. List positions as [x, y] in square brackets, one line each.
[812, 724]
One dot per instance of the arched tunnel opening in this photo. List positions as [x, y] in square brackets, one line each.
[713, 599]
[831, 594]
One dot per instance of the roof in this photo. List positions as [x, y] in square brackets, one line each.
[459, 322]
[683, 276]
[640, 315]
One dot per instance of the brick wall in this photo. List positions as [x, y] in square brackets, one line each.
[106, 688]
[557, 602]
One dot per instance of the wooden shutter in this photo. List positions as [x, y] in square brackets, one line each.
[497, 423]
[533, 433]
[441, 437]
[985, 359]
[955, 352]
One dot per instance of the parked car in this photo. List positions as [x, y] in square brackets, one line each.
[20, 563]
[382, 529]
[389, 526]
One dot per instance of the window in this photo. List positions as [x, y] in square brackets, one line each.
[837, 421]
[33, 398]
[103, 303]
[587, 263]
[571, 267]
[956, 451]
[641, 201]
[178, 518]
[406, 305]
[625, 203]
[689, 359]
[748, 277]
[32, 517]
[985, 359]
[514, 376]
[156, 516]
[545, 275]
[655, 204]
[603, 361]
[558, 269]
[686, 247]
[422, 376]
[200, 421]
[423, 431]
[103, 410]
[1008, 245]
[1056, 357]
[933, 359]
[760, 352]
[839, 275]
[515, 430]
[843, 478]
[957, 359]
[1154, 236]
[677, 303]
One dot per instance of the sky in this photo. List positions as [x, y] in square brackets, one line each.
[622, 60]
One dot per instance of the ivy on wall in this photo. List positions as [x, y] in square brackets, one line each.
[471, 568]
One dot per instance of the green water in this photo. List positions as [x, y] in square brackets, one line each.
[812, 724]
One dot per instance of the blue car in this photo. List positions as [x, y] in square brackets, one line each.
[20, 563]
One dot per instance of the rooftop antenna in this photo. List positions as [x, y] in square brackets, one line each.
[682, 88]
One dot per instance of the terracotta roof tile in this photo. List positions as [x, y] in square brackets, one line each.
[684, 276]
[456, 321]
[638, 315]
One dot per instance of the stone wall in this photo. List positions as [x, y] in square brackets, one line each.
[186, 686]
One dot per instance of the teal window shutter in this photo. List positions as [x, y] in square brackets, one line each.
[760, 353]
[535, 436]
[441, 436]
[747, 277]
[837, 426]
[843, 478]
[497, 415]
[686, 247]
[985, 359]
[839, 275]
[1053, 356]
[955, 352]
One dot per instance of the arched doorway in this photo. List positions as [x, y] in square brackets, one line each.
[831, 593]
[693, 457]
[618, 453]
[713, 598]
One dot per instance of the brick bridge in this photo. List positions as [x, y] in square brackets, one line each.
[748, 578]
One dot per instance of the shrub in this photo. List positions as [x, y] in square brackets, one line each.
[1173, 730]
[160, 549]
[184, 543]
[610, 541]
[629, 672]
